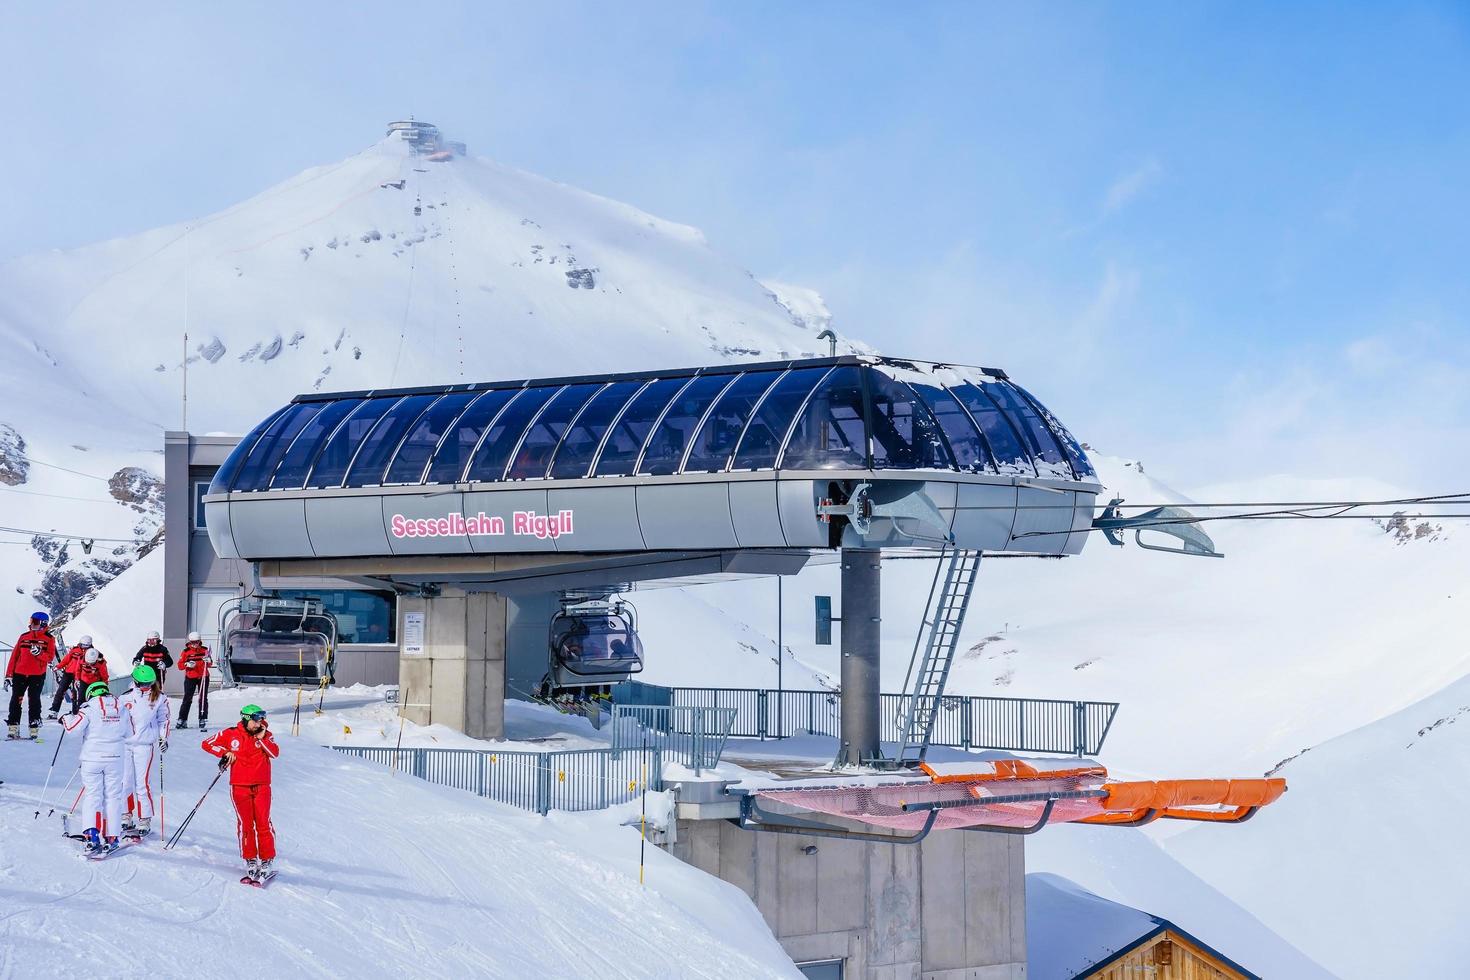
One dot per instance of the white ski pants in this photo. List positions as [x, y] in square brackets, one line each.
[138, 769]
[103, 779]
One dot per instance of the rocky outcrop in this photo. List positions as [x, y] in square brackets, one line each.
[14, 466]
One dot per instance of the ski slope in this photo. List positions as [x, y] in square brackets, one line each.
[380, 874]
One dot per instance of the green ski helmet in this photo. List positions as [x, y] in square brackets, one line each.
[97, 688]
[252, 712]
[145, 674]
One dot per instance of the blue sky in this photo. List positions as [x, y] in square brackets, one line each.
[1230, 239]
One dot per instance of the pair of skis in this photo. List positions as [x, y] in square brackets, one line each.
[259, 881]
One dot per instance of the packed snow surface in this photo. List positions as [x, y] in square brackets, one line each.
[380, 874]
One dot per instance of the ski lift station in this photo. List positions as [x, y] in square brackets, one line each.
[474, 542]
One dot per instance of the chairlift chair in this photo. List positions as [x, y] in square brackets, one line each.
[592, 645]
[274, 640]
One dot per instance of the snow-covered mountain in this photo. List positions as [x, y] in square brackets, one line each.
[383, 269]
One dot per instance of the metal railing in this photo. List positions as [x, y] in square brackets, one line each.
[692, 734]
[570, 779]
[961, 721]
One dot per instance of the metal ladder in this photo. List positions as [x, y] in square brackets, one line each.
[934, 649]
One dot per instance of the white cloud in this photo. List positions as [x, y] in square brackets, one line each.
[1127, 187]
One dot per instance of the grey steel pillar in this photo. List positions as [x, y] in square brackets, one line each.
[861, 600]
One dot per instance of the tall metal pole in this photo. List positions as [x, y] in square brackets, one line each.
[861, 603]
[780, 658]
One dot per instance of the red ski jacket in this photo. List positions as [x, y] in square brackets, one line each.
[253, 754]
[86, 673]
[68, 664]
[32, 654]
[195, 660]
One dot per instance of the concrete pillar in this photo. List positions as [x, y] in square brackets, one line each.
[859, 709]
[458, 677]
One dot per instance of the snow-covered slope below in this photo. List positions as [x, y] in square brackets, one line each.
[381, 874]
[1363, 864]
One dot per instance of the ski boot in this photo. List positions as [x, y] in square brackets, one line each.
[14, 732]
[141, 826]
[35, 731]
[128, 824]
[111, 845]
[202, 724]
[181, 725]
[94, 840]
[252, 869]
[51, 716]
[266, 871]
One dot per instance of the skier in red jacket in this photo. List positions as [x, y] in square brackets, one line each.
[25, 673]
[248, 749]
[70, 669]
[195, 661]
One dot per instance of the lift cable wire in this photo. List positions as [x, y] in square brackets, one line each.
[1337, 510]
[69, 537]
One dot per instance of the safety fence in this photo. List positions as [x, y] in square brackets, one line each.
[692, 734]
[568, 779]
[961, 721]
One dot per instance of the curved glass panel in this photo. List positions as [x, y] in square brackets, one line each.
[331, 466]
[665, 450]
[533, 456]
[620, 452]
[372, 459]
[454, 453]
[258, 469]
[225, 475]
[291, 474]
[1045, 450]
[500, 441]
[965, 441]
[1011, 458]
[578, 447]
[714, 443]
[760, 444]
[416, 448]
[830, 434]
[906, 435]
[1081, 465]
[597, 645]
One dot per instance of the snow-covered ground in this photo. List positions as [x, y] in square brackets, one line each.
[381, 874]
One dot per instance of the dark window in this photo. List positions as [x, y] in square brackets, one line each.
[414, 452]
[225, 475]
[761, 442]
[964, 439]
[1044, 447]
[714, 444]
[372, 459]
[1005, 444]
[459, 445]
[257, 471]
[620, 453]
[291, 474]
[1080, 463]
[505, 432]
[336, 456]
[830, 434]
[533, 456]
[362, 616]
[666, 445]
[905, 433]
[578, 447]
[201, 487]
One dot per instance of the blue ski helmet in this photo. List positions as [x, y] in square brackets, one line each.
[40, 617]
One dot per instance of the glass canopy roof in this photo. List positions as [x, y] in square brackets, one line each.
[844, 413]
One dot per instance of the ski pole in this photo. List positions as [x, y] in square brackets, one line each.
[180, 832]
[47, 785]
[63, 792]
[74, 802]
[160, 793]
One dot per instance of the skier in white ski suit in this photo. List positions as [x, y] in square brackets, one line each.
[104, 725]
[150, 712]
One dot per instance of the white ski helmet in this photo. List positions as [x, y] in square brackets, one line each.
[85, 642]
[195, 638]
[153, 637]
[92, 656]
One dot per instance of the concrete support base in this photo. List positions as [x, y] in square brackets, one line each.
[459, 678]
[950, 908]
